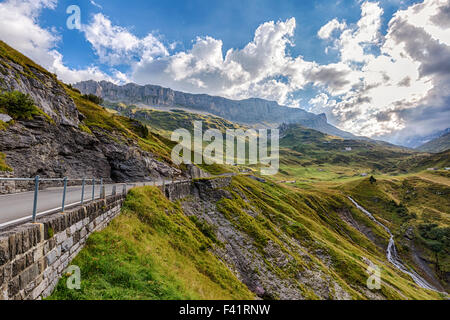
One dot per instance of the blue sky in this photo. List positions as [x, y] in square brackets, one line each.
[232, 21]
[376, 68]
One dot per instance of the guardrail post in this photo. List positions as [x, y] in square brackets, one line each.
[102, 192]
[64, 195]
[93, 189]
[36, 193]
[114, 191]
[82, 191]
[124, 191]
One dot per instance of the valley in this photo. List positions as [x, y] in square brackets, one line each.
[297, 235]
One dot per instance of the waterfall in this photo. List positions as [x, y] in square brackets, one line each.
[391, 252]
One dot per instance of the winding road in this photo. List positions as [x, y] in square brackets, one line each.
[18, 207]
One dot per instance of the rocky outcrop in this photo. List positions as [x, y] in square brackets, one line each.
[255, 266]
[249, 111]
[44, 88]
[38, 147]
[56, 147]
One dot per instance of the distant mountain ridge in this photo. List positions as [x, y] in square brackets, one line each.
[250, 111]
[440, 143]
[416, 141]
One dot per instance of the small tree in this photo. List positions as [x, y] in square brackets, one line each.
[18, 105]
[93, 98]
[372, 180]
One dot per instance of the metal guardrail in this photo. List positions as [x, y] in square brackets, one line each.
[37, 180]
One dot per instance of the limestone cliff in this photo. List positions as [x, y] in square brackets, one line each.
[250, 111]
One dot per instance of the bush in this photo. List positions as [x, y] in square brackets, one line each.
[93, 98]
[73, 88]
[3, 165]
[437, 239]
[18, 105]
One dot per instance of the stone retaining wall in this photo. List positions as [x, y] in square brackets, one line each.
[7, 187]
[177, 190]
[183, 189]
[34, 256]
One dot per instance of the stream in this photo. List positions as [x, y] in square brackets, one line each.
[392, 255]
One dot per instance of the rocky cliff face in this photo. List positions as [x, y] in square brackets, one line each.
[250, 111]
[43, 88]
[259, 268]
[58, 147]
[41, 148]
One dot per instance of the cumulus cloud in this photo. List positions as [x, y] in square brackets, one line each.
[115, 45]
[411, 70]
[369, 91]
[19, 27]
[261, 69]
[327, 30]
[375, 77]
[374, 87]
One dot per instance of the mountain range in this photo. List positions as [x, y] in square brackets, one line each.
[417, 140]
[233, 235]
[437, 142]
[257, 112]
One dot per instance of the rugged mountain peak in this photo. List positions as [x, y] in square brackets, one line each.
[252, 111]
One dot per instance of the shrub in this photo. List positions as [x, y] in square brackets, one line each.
[19, 106]
[3, 126]
[93, 98]
[73, 88]
[3, 165]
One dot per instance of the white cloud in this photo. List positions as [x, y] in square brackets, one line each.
[409, 72]
[371, 90]
[366, 91]
[69, 75]
[95, 4]
[262, 68]
[327, 30]
[19, 27]
[115, 45]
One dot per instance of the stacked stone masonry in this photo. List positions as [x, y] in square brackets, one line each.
[7, 187]
[33, 257]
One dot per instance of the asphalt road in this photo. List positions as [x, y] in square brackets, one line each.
[18, 208]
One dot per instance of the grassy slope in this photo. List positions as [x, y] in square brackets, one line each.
[122, 129]
[311, 217]
[313, 156]
[165, 122]
[160, 254]
[18, 58]
[408, 202]
[128, 129]
[151, 251]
